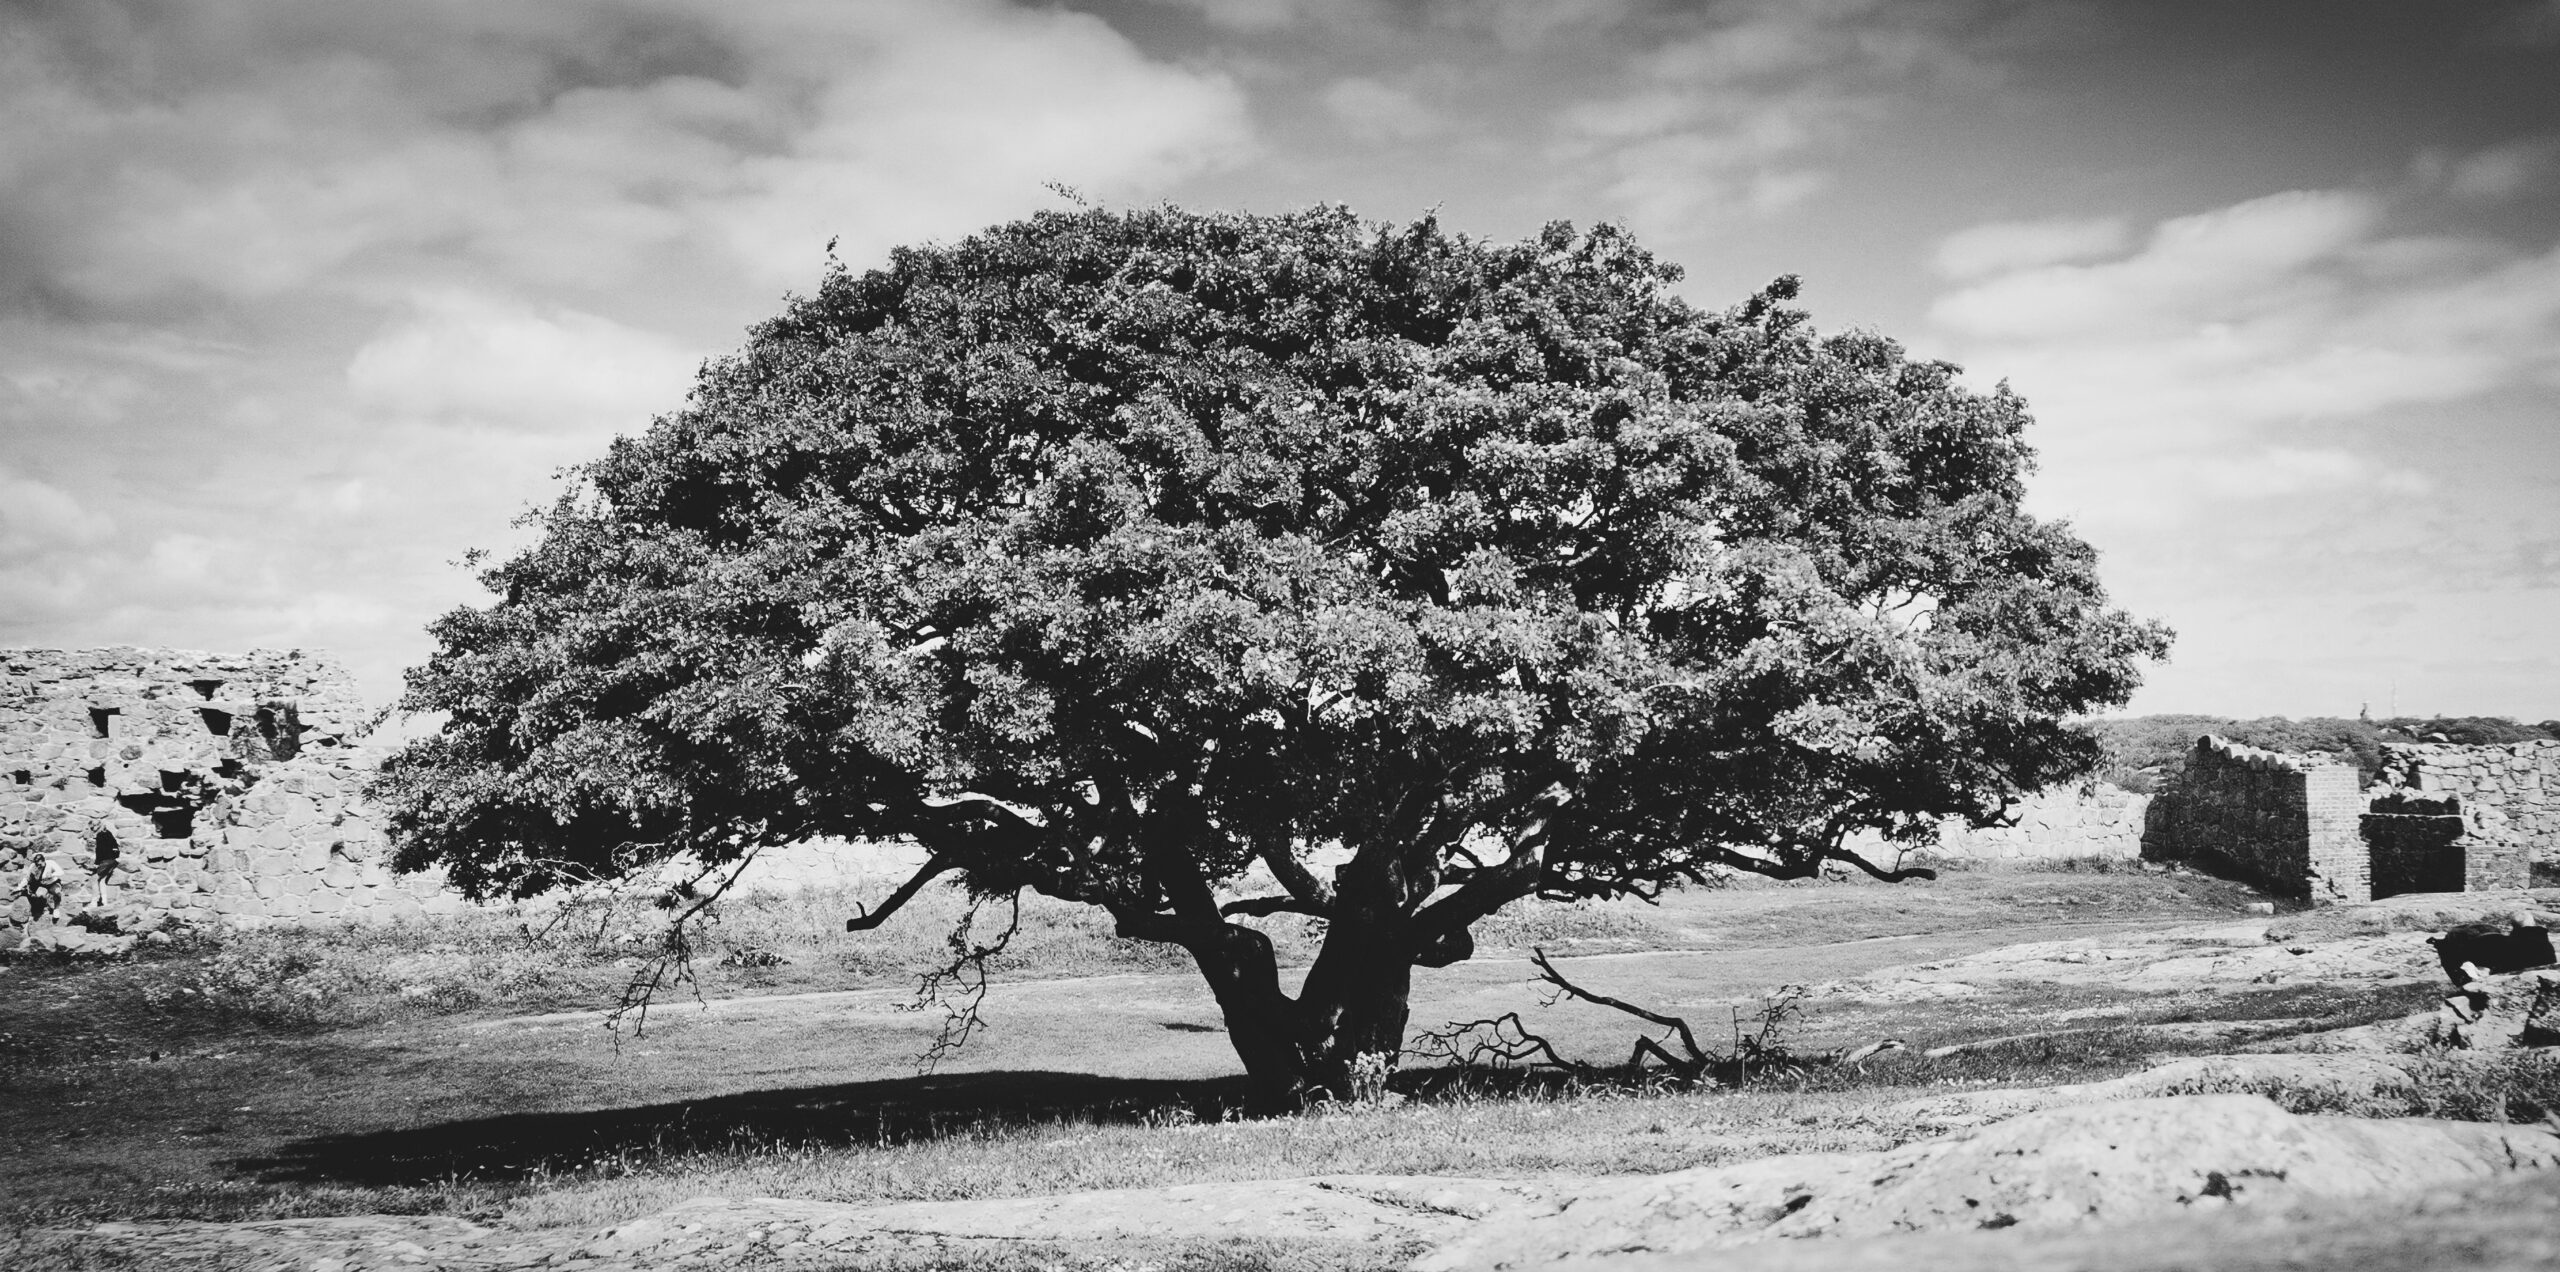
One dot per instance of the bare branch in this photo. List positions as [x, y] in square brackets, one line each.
[1698, 1057]
[1484, 891]
[1260, 906]
[933, 867]
[1504, 1039]
[1292, 873]
[673, 965]
[958, 987]
[1889, 876]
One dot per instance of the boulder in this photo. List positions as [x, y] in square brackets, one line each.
[78, 942]
[2497, 1012]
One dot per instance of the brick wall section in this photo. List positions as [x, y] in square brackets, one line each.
[2416, 845]
[2333, 808]
[170, 784]
[2288, 824]
[2521, 780]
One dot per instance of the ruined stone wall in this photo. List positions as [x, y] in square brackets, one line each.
[175, 785]
[2521, 780]
[2065, 821]
[2424, 844]
[2289, 824]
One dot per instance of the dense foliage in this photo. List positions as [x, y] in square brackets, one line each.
[1135, 557]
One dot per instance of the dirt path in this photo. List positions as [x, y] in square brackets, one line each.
[1177, 1001]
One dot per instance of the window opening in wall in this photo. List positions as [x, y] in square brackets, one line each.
[102, 721]
[25, 777]
[217, 723]
[205, 688]
[281, 731]
[108, 853]
[174, 823]
[229, 767]
[98, 776]
[172, 779]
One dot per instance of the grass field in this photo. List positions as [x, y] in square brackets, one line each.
[458, 1066]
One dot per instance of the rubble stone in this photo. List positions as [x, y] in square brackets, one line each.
[173, 782]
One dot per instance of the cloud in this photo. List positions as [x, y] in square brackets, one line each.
[2006, 246]
[1725, 115]
[467, 355]
[246, 151]
[2285, 470]
[34, 514]
[299, 299]
[1375, 112]
[2293, 424]
[2223, 356]
[2504, 171]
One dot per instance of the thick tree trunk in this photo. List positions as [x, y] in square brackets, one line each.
[1262, 1023]
[1355, 1001]
[1356, 998]
[1295, 1051]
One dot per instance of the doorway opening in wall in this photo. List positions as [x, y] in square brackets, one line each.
[98, 776]
[217, 723]
[106, 852]
[24, 777]
[174, 823]
[102, 721]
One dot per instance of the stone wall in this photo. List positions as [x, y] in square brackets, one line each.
[2063, 822]
[2289, 824]
[2423, 844]
[2520, 780]
[174, 785]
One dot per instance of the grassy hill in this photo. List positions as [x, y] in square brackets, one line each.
[2142, 749]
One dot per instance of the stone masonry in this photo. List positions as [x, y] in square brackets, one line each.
[2440, 819]
[174, 785]
[2437, 845]
[2289, 824]
[2519, 782]
[2073, 821]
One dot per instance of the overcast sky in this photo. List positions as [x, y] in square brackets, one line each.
[302, 299]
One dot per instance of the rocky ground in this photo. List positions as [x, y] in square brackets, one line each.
[2092, 1160]
[2185, 1164]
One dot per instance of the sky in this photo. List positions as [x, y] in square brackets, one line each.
[302, 300]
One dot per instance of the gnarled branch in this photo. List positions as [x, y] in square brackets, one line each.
[1698, 1057]
[1258, 907]
[869, 919]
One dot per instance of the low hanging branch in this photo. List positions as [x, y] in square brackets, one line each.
[960, 986]
[672, 966]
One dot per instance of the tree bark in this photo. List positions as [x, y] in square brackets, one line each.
[1262, 1023]
[1356, 999]
[1294, 1051]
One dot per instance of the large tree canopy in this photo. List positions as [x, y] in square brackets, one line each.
[1116, 554]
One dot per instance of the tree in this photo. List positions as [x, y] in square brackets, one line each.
[1115, 554]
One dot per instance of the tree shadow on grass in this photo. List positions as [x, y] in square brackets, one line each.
[889, 1111]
